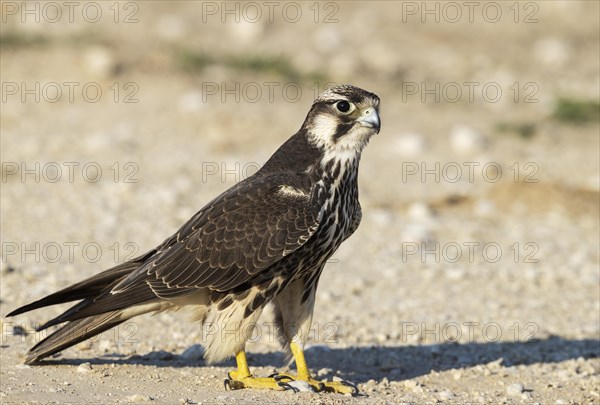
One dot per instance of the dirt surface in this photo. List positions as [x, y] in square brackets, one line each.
[474, 277]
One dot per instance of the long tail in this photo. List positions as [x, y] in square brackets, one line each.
[87, 288]
[98, 311]
[73, 333]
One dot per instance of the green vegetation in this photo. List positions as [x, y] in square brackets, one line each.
[575, 111]
[21, 40]
[524, 130]
[16, 40]
[194, 61]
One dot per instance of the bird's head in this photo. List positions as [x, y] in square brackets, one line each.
[342, 120]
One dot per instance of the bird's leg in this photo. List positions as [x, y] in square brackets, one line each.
[242, 378]
[340, 387]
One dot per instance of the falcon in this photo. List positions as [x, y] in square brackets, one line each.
[263, 241]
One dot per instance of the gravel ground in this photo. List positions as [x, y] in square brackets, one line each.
[474, 277]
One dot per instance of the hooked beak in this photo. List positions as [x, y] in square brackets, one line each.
[370, 119]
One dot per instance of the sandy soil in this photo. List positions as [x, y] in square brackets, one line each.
[474, 277]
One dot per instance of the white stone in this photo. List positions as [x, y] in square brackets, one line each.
[515, 389]
[136, 398]
[105, 345]
[465, 139]
[484, 208]
[99, 61]
[446, 395]
[551, 51]
[409, 145]
[192, 102]
[84, 368]
[420, 211]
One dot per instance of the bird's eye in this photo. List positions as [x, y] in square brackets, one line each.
[343, 106]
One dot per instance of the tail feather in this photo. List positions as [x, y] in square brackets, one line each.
[89, 287]
[105, 302]
[73, 333]
[97, 311]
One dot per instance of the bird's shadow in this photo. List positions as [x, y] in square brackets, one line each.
[396, 363]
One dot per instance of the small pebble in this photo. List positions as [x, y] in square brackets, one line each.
[105, 345]
[409, 145]
[551, 51]
[465, 139]
[495, 364]
[99, 61]
[85, 345]
[515, 389]
[138, 398]
[446, 395]
[324, 371]
[371, 383]
[194, 352]
[420, 211]
[410, 383]
[84, 368]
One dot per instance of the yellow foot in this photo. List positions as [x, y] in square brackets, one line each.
[237, 382]
[281, 382]
[339, 387]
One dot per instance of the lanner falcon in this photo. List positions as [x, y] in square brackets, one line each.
[264, 240]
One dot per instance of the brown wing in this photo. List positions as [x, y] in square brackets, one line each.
[239, 234]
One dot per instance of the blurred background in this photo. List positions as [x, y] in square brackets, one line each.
[480, 196]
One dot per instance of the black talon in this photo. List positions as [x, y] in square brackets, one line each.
[227, 383]
[286, 386]
[353, 386]
[349, 383]
[278, 377]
